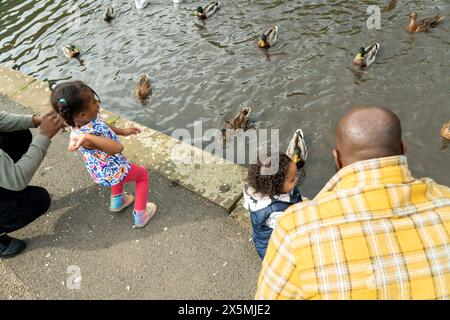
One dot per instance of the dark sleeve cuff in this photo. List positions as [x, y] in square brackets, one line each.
[28, 119]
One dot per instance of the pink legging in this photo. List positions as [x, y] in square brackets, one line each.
[138, 174]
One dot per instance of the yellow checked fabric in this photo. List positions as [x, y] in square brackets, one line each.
[373, 232]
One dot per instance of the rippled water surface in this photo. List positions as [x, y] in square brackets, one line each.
[209, 70]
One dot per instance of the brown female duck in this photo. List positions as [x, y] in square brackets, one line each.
[424, 24]
[240, 121]
[143, 87]
[445, 131]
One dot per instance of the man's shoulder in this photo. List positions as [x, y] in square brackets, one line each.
[432, 185]
[343, 206]
[315, 212]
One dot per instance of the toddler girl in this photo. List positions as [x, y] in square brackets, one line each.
[268, 194]
[79, 105]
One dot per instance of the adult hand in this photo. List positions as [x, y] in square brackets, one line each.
[51, 124]
[129, 131]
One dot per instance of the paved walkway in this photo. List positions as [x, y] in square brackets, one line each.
[192, 249]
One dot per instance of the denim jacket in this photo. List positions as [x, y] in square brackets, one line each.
[264, 212]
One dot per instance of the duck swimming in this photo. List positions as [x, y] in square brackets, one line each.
[240, 121]
[366, 56]
[424, 24]
[70, 51]
[143, 87]
[445, 135]
[297, 150]
[269, 38]
[109, 13]
[445, 131]
[391, 5]
[207, 11]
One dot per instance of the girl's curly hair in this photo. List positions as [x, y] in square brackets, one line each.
[268, 185]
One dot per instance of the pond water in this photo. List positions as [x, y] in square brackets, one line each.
[209, 70]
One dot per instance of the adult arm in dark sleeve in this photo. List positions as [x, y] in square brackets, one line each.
[15, 122]
[17, 176]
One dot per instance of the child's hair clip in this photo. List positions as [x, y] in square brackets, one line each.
[62, 103]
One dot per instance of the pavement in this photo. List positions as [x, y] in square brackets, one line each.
[191, 249]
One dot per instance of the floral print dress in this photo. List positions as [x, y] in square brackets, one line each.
[106, 170]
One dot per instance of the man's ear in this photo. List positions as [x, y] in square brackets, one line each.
[404, 148]
[337, 159]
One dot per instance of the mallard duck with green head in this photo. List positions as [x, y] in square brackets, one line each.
[269, 38]
[109, 14]
[297, 150]
[70, 51]
[208, 10]
[366, 56]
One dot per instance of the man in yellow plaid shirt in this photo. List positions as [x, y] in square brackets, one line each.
[373, 232]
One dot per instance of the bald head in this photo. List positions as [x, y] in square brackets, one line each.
[366, 133]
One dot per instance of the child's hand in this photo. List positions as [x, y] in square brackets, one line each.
[129, 131]
[76, 142]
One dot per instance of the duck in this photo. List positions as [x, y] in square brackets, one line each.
[269, 38]
[143, 87]
[109, 13]
[141, 4]
[208, 10]
[240, 120]
[424, 24]
[297, 150]
[391, 5]
[445, 131]
[366, 56]
[70, 51]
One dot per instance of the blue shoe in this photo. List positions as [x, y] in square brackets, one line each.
[141, 219]
[127, 200]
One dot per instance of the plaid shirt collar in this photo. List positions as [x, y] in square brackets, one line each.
[367, 172]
